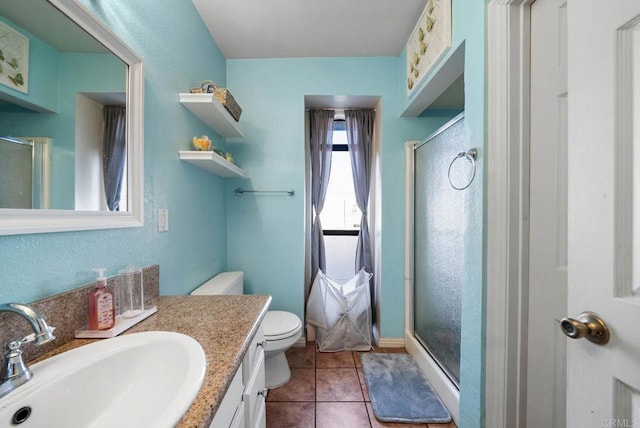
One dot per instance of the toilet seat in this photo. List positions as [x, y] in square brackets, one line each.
[280, 325]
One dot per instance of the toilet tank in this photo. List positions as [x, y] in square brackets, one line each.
[223, 283]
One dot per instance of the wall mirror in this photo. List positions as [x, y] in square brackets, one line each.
[71, 121]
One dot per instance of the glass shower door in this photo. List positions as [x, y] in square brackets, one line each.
[16, 176]
[439, 234]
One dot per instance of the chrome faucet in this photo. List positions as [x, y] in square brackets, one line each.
[16, 372]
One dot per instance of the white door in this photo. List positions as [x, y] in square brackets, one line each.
[546, 355]
[603, 382]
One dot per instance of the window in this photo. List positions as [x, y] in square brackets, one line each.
[340, 214]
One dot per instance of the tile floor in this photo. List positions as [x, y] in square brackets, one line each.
[326, 390]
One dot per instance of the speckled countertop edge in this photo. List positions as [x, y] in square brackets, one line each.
[223, 325]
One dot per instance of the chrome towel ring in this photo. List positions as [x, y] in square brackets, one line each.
[471, 155]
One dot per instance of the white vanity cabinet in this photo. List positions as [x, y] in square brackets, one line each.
[243, 405]
[255, 392]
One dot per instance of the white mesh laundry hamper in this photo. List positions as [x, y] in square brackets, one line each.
[341, 313]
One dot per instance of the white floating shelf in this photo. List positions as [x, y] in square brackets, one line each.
[209, 110]
[212, 162]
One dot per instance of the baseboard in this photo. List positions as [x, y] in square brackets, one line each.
[301, 342]
[391, 342]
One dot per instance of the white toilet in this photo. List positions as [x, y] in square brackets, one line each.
[281, 329]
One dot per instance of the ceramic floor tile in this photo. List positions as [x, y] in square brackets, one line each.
[334, 359]
[336, 382]
[363, 385]
[302, 357]
[378, 424]
[301, 387]
[332, 415]
[290, 415]
[340, 384]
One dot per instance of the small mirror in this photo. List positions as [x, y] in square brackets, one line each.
[71, 121]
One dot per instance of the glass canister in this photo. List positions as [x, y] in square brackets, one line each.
[131, 292]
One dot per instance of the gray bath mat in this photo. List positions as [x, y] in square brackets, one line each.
[399, 391]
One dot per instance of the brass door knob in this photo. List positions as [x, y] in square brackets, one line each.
[588, 325]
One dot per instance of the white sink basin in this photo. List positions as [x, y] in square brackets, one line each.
[137, 380]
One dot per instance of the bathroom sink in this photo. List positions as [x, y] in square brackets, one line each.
[137, 380]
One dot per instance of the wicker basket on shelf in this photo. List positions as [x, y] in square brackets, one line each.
[226, 99]
[223, 96]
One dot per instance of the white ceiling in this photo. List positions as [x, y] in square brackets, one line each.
[310, 28]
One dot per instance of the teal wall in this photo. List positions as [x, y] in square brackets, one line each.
[469, 24]
[178, 53]
[266, 233]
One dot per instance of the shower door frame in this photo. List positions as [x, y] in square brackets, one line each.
[442, 384]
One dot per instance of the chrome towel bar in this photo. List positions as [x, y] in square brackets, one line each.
[240, 191]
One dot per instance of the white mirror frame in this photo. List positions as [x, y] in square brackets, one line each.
[24, 221]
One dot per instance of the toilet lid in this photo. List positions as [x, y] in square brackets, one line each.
[280, 324]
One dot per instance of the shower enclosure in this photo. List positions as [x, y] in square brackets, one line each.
[24, 173]
[444, 167]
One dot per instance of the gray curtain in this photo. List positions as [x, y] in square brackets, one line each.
[114, 153]
[360, 141]
[321, 141]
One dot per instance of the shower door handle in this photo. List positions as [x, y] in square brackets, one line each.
[588, 325]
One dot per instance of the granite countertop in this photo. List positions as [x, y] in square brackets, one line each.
[223, 325]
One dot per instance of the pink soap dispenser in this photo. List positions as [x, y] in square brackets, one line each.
[101, 304]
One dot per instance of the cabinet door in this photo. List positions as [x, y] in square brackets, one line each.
[238, 420]
[230, 402]
[261, 420]
[255, 391]
[250, 358]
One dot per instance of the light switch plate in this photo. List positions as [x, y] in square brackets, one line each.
[163, 220]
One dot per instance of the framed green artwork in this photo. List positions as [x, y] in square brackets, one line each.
[14, 59]
[430, 40]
